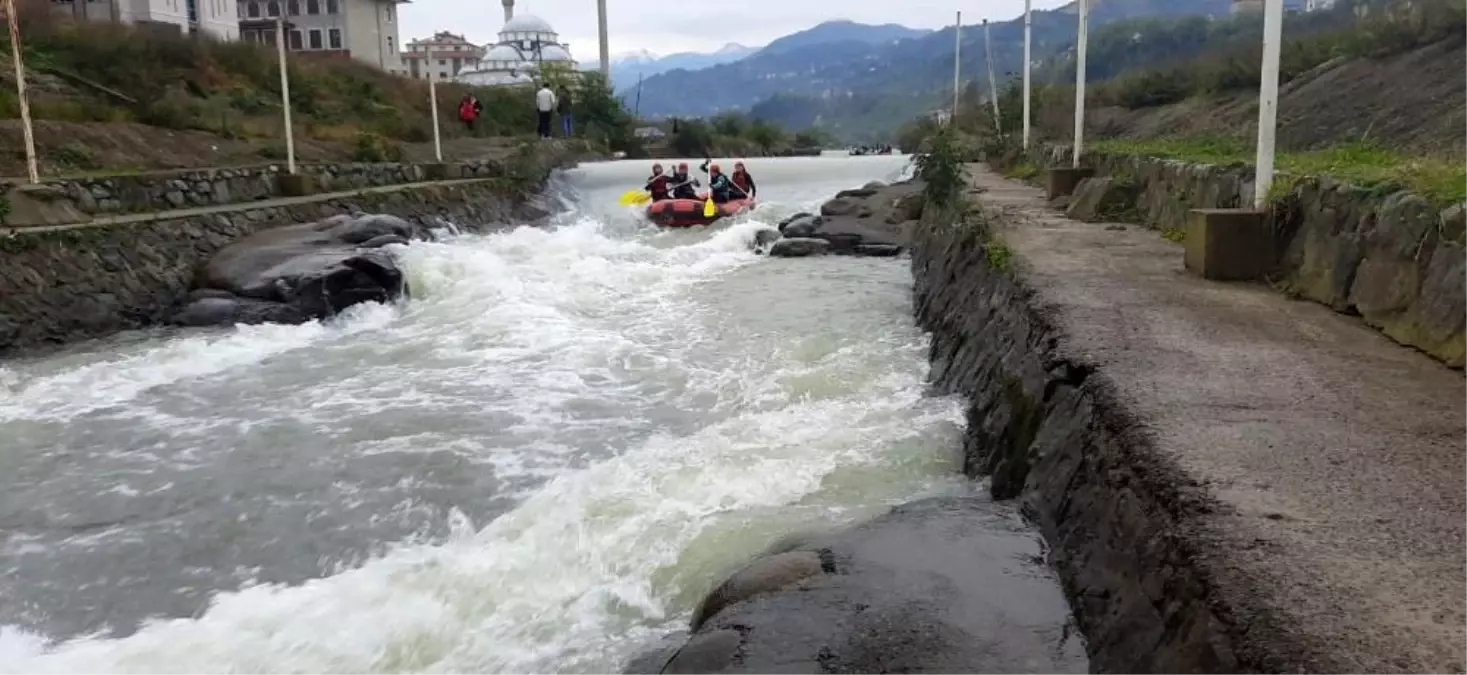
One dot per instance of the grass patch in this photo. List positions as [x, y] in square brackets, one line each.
[1000, 256]
[1363, 164]
[1024, 170]
[1174, 234]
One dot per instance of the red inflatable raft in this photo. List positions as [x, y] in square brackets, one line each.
[689, 212]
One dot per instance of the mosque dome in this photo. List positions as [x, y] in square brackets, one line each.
[527, 27]
[554, 53]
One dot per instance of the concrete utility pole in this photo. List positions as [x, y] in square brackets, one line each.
[957, 63]
[605, 48]
[1268, 100]
[1082, 34]
[1028, 56]
[433, 107]
[992, 82]
[285, 96]
[25, 107]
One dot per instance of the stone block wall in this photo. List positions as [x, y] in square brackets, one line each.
[166, 190]
[1396, 260]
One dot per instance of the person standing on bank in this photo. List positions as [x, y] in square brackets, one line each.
[567, 127]
[544, 106]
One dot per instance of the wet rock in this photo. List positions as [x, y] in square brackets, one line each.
[842, 242]
[764, 575]
[1454, 222]
[204, 293]
[706, 653]
[906, 207]
[383, 240]
[316, 268]
[798, 247]
[220, 311]
[802, 227]
[764, 238]
[874, 185]
[793, 218]
[878, 250]
[860, 192]
[845, 206]
[654, 658]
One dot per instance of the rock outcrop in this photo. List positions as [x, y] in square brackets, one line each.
[940, 585]
[847, 224]
[301, 272]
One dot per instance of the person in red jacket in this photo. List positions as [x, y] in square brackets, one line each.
[469, 110]
[658, 184]
[743, 181]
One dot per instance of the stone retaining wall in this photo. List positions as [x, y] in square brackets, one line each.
[1396, 260]
[59, 284]
[1049, 431]
[162, 191]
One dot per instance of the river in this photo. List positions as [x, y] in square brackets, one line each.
[537, 464]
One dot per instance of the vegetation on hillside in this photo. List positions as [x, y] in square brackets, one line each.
[1362, 164]
[114, 73]
[732, 134]
[1310, 41]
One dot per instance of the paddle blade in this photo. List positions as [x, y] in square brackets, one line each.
[635, 197]
[708, 209]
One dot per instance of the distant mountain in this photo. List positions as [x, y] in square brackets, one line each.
[841, 31]
[627, 67]
[885, 75]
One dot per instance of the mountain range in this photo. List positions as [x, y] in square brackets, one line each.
[628, 67]
[873, 78]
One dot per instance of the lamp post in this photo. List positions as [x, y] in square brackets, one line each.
[25, 107]
[1268, 100]
[1028, 56]
[957, 63]
[285, 96]
[1080, 81]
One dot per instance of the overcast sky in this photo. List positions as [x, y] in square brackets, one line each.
[699, 25]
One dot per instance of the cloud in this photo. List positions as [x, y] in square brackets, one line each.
[665, 28]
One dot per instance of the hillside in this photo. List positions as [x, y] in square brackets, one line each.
[626, 68]
[1380, 101]
[915, 68]
[105, 96]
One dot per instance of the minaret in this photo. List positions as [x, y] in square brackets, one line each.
[508, 10]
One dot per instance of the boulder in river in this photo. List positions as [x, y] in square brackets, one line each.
[803, 226]
[848, 205]
[301, 272]
[798, 247]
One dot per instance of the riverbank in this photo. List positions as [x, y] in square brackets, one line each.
[1228, 480]
[954, 583]
[71, 274]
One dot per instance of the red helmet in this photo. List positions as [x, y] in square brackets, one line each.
[656, 169]
[713, 168]
[682, 166]
[738, 166]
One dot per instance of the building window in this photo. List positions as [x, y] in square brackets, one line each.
[331, 7]
[442, 62]
[272, 9]
[313, 7]
[315, 38]
[442, 76]
[253, 9]
[334, 38]
[388, 10]
[293, 7]
[294, 41]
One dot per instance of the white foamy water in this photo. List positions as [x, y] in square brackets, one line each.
[537, 464]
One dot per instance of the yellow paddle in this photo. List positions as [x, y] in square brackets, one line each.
[634, 197]
[708, 209]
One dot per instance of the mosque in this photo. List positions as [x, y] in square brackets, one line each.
[526, 42]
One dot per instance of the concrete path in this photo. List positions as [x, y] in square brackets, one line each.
[1338, 455]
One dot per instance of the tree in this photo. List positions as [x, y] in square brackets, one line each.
[693, 138]
[765, 135]
[809, 138]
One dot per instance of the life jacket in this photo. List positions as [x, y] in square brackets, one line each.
[684, 191]
[742, 179]
[657, 185]
[466, 111]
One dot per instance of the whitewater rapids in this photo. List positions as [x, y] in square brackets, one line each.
[538, 464]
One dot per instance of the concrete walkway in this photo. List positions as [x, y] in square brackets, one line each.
[1337, 455]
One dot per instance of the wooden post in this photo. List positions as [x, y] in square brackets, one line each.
[25, 106]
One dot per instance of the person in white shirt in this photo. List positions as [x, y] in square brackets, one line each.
[544, 106]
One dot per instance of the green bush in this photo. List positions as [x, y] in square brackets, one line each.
[940, 167]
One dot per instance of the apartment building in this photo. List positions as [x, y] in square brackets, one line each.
[215, 18]
[365, 30]
[441, 57]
